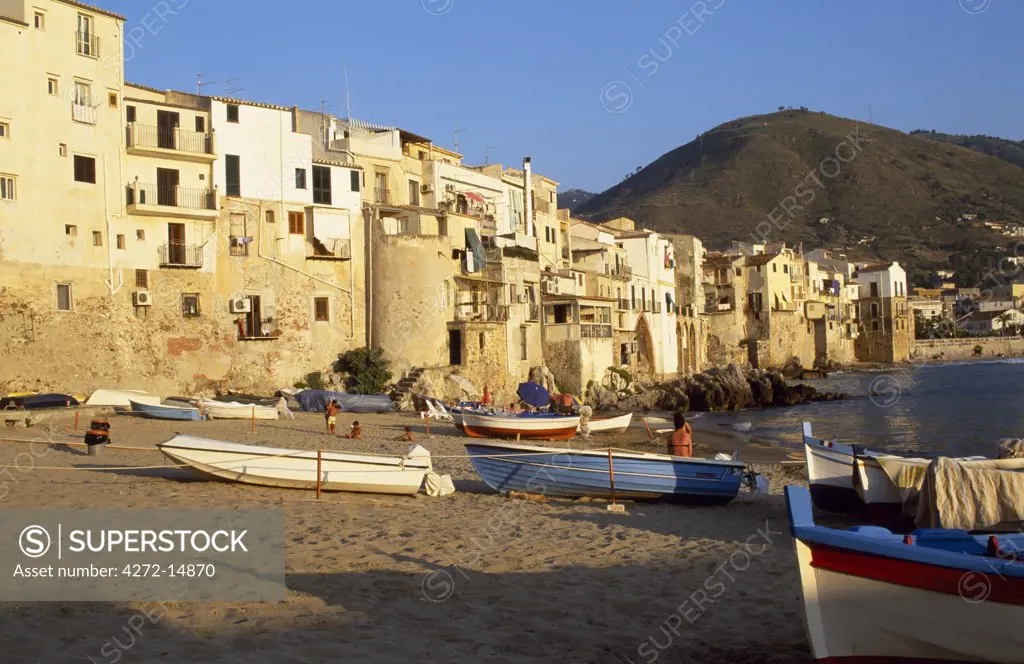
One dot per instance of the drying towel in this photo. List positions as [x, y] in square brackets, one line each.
[975, 495]
[438, 485]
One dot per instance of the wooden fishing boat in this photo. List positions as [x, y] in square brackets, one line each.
[612, 424]
[221, 410]
[121, 398]
[934, 595]
[830, 470]
[165, 412]
[527, 426]
[568, 473]
[297, 469]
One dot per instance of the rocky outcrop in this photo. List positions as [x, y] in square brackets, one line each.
[734, 388]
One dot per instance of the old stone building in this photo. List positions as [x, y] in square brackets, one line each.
[155, 239]
[886, 328]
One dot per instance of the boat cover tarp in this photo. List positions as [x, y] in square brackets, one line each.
[317, 400]
[975, 495]
[38, 401]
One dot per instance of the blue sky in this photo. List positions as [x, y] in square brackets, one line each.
[591, 89]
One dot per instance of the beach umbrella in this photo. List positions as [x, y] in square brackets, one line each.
[534, 395]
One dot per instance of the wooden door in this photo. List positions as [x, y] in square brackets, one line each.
[166, 124]
[254, 319]
[167, 187]
[176, 244]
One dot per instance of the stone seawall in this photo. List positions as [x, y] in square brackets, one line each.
[952, 349]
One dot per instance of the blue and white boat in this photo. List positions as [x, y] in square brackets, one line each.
[164, 412]
[568, 473]
[935, 595]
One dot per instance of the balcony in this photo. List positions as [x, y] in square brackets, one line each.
[624, 305]
[87, 44]
[170, 142]
[339, 250]
[656, 309]
[83, 113]
[180, 255]
[171, 201]
[533, 312]
[481, 313]
[595, 331]
[383, 197]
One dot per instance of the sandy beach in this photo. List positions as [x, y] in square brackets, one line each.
[472, 577]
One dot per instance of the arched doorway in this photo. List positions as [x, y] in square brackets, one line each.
[645, 346]
[692, 361]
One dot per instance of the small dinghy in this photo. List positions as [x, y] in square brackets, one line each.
[221, 410]
[165, 412]
[613, 424]
[529, 426]
[297, 469]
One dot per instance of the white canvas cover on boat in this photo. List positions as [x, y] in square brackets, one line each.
[438, 485]
[973, 495]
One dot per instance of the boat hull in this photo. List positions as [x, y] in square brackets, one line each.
[830, 468]
[121, 398]
[217, 410]
[870, 598]
[616, 424]
[523, 427]
[566, 473]
[165, 412]
[297, 469]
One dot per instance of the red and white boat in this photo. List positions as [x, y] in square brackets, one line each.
[525, 426]
[936, 595]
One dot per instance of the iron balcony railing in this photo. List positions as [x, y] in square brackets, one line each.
[595, 331]
[178, 254]
[533, 312]
[83, 113]
[339, 249]
[624, 305]
[169, 138]
[382, 197]
[87, 43]
[171, 196]
[495, 313]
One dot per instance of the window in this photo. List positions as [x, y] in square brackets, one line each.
[414, 192]
[233, 166]
[40, 21]
[82, 94]
[112, 99]
[97, 239]
[522, 343]
[85, 169]
[7, 188]
[51, 86]
[874, 325]
[874, 289]
[297, 223]
[321, 185]
[874, 310]
[775, 267]
[86, 40]
[200, 124]
[270, 216]
[381, 186]
[71, 230]
[481, 340]
[129, 113]
[354, 182]
[785, 268]
[64, 301]
[232, 112]
[190, 305]
[62, 149]
[140, 235]
[141, 279]
[5, 130]
[300, 178]
[321, 309]
[121, 242]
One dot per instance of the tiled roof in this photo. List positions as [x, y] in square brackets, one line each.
[761, 259]
[105, 12]
[334, 162]
[878, 267]
[243, 102]
[145, 87]
[11, 19]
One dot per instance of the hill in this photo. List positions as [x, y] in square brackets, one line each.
[885, 194]
[1003, 148]
[573, 199]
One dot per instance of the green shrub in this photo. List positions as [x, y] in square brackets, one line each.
[367, 368]
[314, 380]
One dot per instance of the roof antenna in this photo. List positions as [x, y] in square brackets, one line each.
[455, 138]
[487, 154]
[348, 100]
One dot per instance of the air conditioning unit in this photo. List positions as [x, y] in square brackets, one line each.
[426, 189]
[142, 298]
[523, 299]
[240, 305]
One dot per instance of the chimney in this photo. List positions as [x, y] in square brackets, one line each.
[528, 178]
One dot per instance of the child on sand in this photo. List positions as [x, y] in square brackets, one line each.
[356, 433]
[331, 416]
[407, 436]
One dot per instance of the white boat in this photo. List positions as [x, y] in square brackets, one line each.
[524, 426]
[297, 469]
[830, 471]
[231, 410]
[933, 595]
[121, 398]
[615, 424]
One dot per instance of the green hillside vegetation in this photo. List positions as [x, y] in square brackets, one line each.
[897, 196]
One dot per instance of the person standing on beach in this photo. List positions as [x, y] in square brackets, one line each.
[331, 416]
[680, 443]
